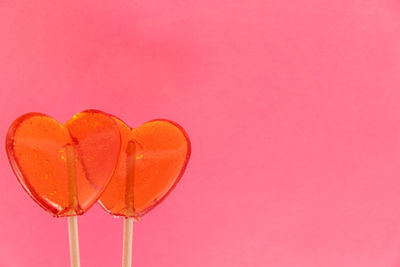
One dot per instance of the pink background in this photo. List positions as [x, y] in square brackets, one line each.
[293, 108]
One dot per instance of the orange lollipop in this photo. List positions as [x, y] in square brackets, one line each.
[64, 167]
[153, 158]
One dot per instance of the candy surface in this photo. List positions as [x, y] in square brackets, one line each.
[153, 157]
[64, 167]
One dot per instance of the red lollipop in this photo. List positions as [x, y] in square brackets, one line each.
[64, 167]
[152, 159]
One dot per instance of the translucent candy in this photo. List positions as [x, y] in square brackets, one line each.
[153, 158]
[64, 167]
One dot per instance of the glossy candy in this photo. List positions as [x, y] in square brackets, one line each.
[64, 167]
[153, 157]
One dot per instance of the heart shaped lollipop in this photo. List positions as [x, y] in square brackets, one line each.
[153, 157]
[64, 167]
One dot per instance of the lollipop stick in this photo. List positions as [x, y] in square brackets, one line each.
[128, 222]
[73, 240]
[72, 220]
[127, 250]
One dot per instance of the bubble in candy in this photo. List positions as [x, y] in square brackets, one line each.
[64, 167]
[152, 159]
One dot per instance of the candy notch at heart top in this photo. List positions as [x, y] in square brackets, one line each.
[64, 167]
[153, 157]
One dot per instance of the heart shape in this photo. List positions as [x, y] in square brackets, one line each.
[64, 167]
[153, 158]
